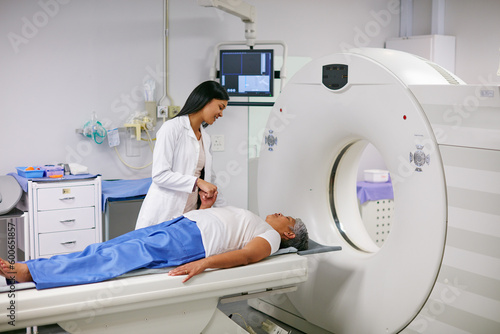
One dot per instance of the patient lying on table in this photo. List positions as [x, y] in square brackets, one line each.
[221, 237]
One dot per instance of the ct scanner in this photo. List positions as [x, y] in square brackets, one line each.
[439, 269]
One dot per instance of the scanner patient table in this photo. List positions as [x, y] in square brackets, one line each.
[155, 303]
[150, 301]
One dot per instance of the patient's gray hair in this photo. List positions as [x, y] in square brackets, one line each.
[301, 240]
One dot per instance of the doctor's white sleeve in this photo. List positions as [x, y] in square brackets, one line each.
[167, 138]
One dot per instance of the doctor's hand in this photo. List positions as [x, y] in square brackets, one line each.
[207, 202]
[190, 269]
[207, 187]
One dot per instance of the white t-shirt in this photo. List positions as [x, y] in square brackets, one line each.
[228, 228]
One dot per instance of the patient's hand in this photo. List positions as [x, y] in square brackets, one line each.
[206, 201]
[190, 269]
[207, 187]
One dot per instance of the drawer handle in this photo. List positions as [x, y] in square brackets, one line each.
[67, 221]
[66, 198]
[68, 243]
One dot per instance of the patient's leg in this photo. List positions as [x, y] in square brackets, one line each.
[18, 271]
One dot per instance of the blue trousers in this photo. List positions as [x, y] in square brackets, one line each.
[170, 243]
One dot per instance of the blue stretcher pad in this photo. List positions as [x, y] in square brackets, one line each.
[121, 190]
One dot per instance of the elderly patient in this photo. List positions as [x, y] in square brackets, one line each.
[222, 237]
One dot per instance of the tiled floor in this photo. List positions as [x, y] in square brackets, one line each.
[240, 312]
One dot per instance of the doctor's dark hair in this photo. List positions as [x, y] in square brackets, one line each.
[301, 240]
[201, 95]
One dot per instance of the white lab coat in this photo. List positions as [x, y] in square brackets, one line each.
[174, 161]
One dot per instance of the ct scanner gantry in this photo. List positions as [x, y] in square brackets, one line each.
[439, 269]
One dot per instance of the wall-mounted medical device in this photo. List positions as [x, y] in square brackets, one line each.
[247, 72]
[94, 129]
[241, 9]
[240, 83]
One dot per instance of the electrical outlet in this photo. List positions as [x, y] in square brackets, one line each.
[162, 111]
[173, 110]
[217, 143]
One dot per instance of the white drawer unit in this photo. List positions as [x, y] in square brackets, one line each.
[65, 242]
[66, 220]
[65, 197]
[64, 216]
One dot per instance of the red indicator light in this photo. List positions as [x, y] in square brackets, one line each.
[404, 117]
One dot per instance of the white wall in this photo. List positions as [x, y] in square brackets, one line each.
[476, 26]
[62, 59]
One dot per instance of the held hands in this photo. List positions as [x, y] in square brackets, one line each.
[206, 201]
[207, 187]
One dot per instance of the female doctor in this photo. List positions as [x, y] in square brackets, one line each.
[182, 159]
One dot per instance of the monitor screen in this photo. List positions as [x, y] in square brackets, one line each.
[247, 72]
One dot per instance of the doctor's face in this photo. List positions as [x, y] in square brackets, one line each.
[213, 110]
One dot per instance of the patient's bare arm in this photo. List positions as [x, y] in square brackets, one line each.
[256, 250]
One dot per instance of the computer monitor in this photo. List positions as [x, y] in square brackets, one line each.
[247, 72]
